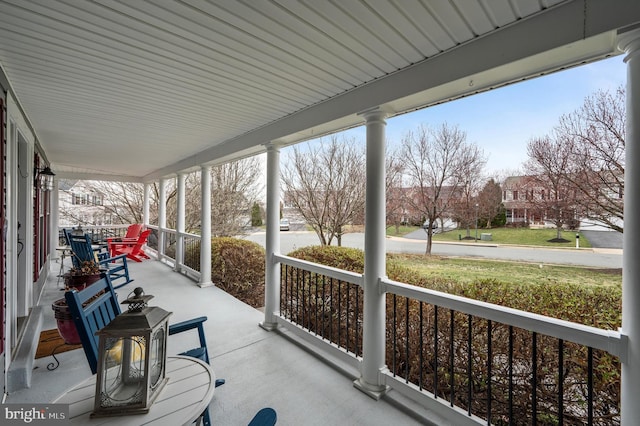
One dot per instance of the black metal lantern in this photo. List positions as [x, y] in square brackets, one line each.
[132, 359]
[44, 179]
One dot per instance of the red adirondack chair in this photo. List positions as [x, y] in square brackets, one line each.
[133, 249]
[133, 232]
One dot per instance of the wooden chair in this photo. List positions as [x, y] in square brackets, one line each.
[116, 266]
[265, 417]
[132, 234]
[97, 305]
[132, 249]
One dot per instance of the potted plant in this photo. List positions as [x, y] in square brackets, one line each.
[78, 278]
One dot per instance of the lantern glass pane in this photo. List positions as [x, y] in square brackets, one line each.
[156, 355]
[123, 382]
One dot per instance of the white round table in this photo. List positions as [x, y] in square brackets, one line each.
[185, 396]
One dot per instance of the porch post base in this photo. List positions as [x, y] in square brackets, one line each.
[206, 284]
[374, 391]
[269, 326]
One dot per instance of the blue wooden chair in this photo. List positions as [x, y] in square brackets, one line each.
[90, 316]
[265, 417]
[116, 266]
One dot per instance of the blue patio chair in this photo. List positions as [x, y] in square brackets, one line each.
[92, 316]
[116, 267]
[265, 417]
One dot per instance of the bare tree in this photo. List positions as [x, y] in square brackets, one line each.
[547, 164]
[436, 161]
[326, 184]
[234, 189]
[465, 208]
[395, 196]
[596, 132]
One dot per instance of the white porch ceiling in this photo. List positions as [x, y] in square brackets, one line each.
[139, 89]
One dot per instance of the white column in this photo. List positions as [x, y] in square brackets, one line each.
[272, 245]
[373, 337]
[180, 222]
[162, 215]
[146, 204]
[630, 379]
[205, 231]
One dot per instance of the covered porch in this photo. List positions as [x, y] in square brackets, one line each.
[189, 85]
[261, 368]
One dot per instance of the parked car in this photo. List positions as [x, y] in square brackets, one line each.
[284, 224]
[434, 225]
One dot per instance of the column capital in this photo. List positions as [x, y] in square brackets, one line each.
[629, 42]
[374, 114]
[272, 147]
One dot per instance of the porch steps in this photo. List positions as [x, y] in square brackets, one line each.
[21, 367]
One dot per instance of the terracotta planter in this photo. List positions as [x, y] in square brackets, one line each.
[64, 321]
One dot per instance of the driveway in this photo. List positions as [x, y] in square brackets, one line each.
[604, 239]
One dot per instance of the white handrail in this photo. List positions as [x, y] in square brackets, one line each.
[608, 340]
[336, 273]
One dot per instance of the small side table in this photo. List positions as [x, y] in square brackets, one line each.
[187, 393]
[65, 251]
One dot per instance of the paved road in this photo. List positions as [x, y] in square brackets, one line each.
[598, 257]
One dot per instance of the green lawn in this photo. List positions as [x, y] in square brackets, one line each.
[402, 231]
[519, 236]
[465, 270]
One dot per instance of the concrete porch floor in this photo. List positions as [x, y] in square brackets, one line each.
[261, 368]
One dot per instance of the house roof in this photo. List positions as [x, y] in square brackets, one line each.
[132, 91]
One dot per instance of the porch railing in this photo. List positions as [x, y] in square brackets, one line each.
[164, 242]
[495, 365]
[98, 233]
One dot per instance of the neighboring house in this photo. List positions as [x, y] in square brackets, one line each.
[527, 202]
[518, 194]
[80, 204]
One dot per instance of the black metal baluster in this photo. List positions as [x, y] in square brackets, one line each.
[451, 357]
[421, 347]
[347, 314]
[534, 379]
[489, 365]
[324, 302]
[309, 302]
[395, 332]
[293, 282]
[331, 310]
[339, 314]
[511, 375]
[316, 304]
[283, 287]
[303, 304]
[469, 364]
[357, 289]
[435, 351]
[590, 386]
[406, 334]
[560, 382]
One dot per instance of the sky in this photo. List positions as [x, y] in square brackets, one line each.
[502, 121]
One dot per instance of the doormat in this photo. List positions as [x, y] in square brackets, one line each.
[50, 340]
